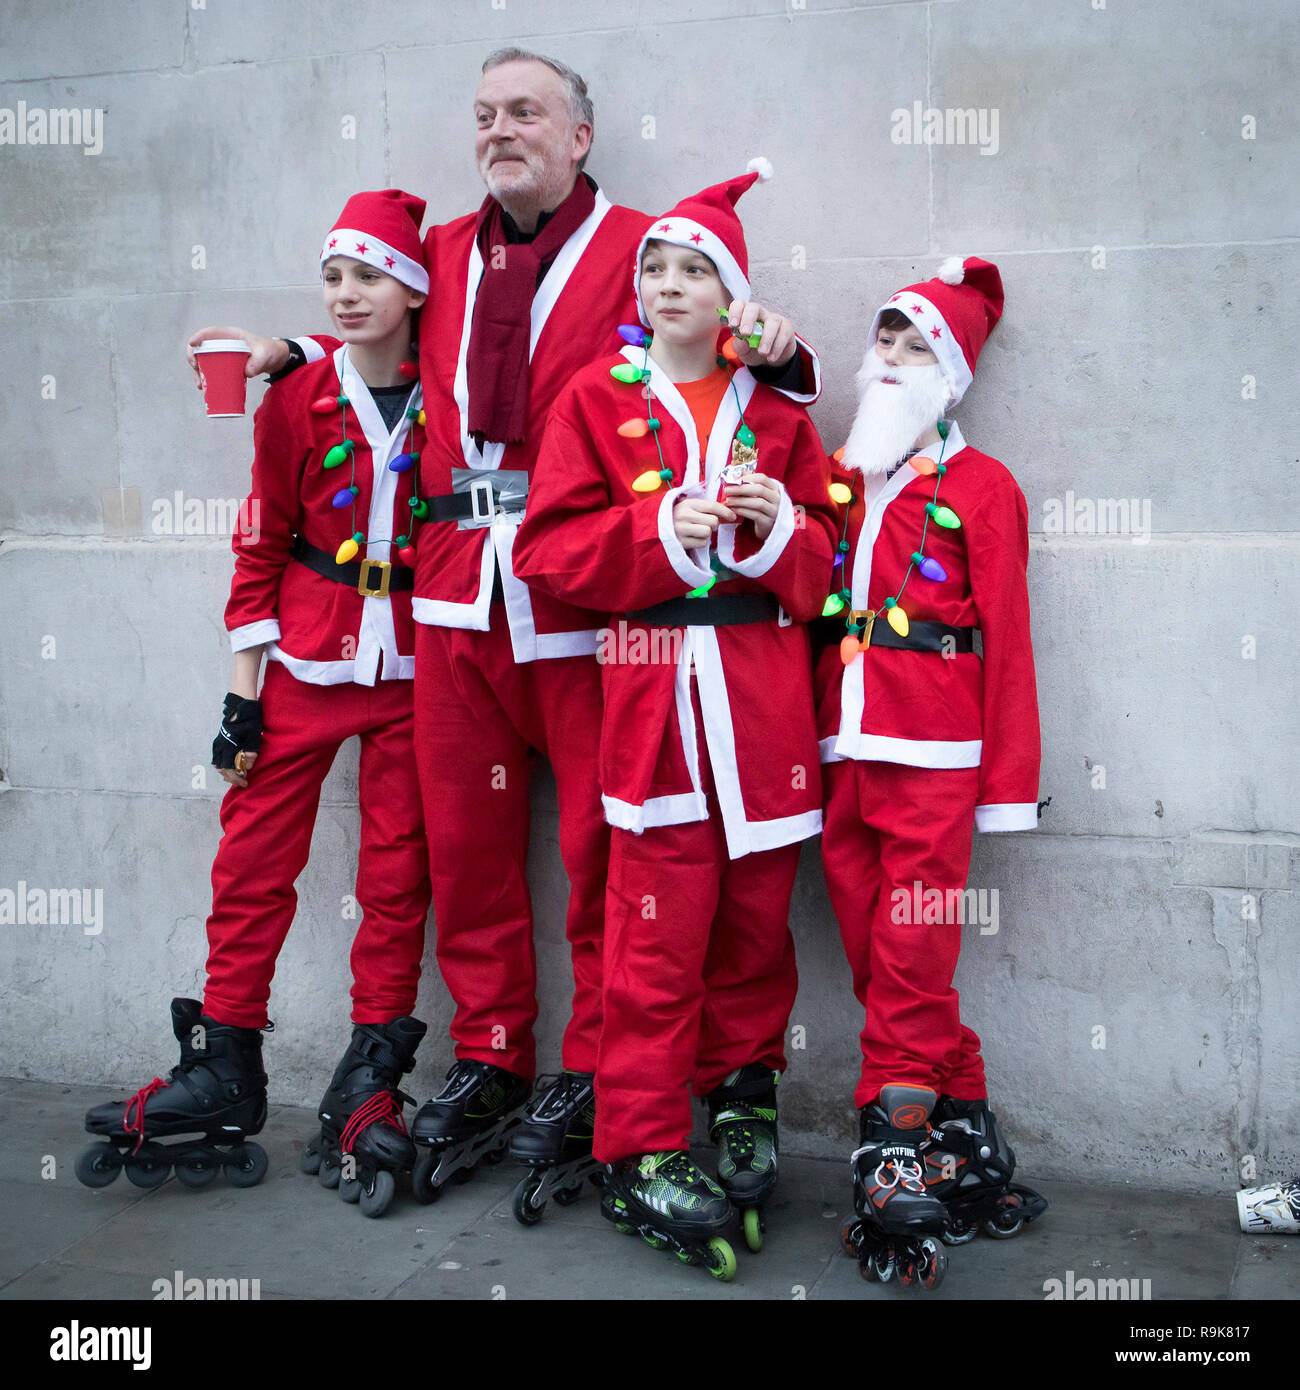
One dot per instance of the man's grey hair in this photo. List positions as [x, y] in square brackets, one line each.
[580, 107]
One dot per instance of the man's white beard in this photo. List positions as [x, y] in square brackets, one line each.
[890, 418]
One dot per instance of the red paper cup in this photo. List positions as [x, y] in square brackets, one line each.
[221, 363]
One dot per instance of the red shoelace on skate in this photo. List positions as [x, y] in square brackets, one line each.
[136, 1127]
[381, 1109]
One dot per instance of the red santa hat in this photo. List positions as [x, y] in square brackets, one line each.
[955, 312]
[707, 222]
[382, 228]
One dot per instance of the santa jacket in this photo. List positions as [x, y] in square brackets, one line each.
[925, 709]
[590, 539]
[324, 632]
[586, 294]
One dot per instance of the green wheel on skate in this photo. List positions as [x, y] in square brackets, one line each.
[751, 1223]
[653, 1241]
[721, 1260]
[98, 1165]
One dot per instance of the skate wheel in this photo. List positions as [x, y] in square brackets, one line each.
[1004, 1225]
[196, 1168]
[98, 1165]
[867, 1268]
[463, 1175]
[934, 1264]
[246, 1166]
[848, 1241]
[422, 1188]
[148, 1167]
[350, 1190]
[309, 1159]
[906, 1270]
[751, 1223]
[527, 1210]
[494, 1156]
[960, 1234]
[597, 1179]
[883, 1260]
[329, 1172]
[377, 1196]
[721, 1260]
[566, 1196]
[659, 1243]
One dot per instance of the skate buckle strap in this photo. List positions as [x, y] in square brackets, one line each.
[137, 1101]
[380, 1109]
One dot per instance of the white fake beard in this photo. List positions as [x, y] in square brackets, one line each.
[890, 418]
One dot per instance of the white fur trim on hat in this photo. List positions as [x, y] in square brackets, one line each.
[953, 270]
[361, 246]
[761, 166]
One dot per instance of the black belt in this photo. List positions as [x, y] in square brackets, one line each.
[716, 610]
[921, 637]
[370, 578]
[481, 494]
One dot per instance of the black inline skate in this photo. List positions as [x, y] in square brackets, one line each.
[742, 1123]
[218, 1090]
[672, 1205]
[969, 1168]
[555, 1141]
[897, 1218]
[468, 1120]
[363, 1139]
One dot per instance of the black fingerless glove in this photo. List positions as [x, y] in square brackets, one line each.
[240, 731]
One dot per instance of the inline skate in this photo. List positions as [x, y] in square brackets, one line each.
[742, 1123]
[468, 1120]
[217, 1090]
[897, 1219]
[969, 1167]
[672, 1205]
[554, 1139]
[363, 1140]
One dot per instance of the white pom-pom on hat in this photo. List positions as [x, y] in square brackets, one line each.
[953, 270]
[761, 166]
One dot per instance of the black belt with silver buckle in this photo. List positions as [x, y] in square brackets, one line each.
[370, 578]
[717, 610]
[921, 637]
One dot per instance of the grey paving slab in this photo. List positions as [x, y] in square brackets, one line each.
[299, 1241]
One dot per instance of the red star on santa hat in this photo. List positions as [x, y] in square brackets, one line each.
[664, 227]
[334, 241]
[389, 262]
[362, 247]
[918, 308]
[697, 238]
[935, 333]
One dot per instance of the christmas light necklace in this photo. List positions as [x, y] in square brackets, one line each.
[345, 452]
[942, 515]
[636, 428]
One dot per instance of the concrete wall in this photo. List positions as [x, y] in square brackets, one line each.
[1137, 1000]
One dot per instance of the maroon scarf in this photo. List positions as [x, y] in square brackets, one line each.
[497, 361]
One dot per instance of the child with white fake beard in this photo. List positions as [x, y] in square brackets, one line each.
[922, 742]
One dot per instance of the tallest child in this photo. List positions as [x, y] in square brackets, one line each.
[525, 293]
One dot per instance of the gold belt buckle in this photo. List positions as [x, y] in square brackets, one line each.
[367, 568]
[867, 617]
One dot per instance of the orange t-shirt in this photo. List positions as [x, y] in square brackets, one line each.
[703, 397]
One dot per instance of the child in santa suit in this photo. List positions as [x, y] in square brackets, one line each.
[923, 740]
[691, 504]
[323, 587]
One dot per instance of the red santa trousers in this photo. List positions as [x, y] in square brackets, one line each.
[479, 718]
[889, 828]
[266, 836]
[699, 974]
